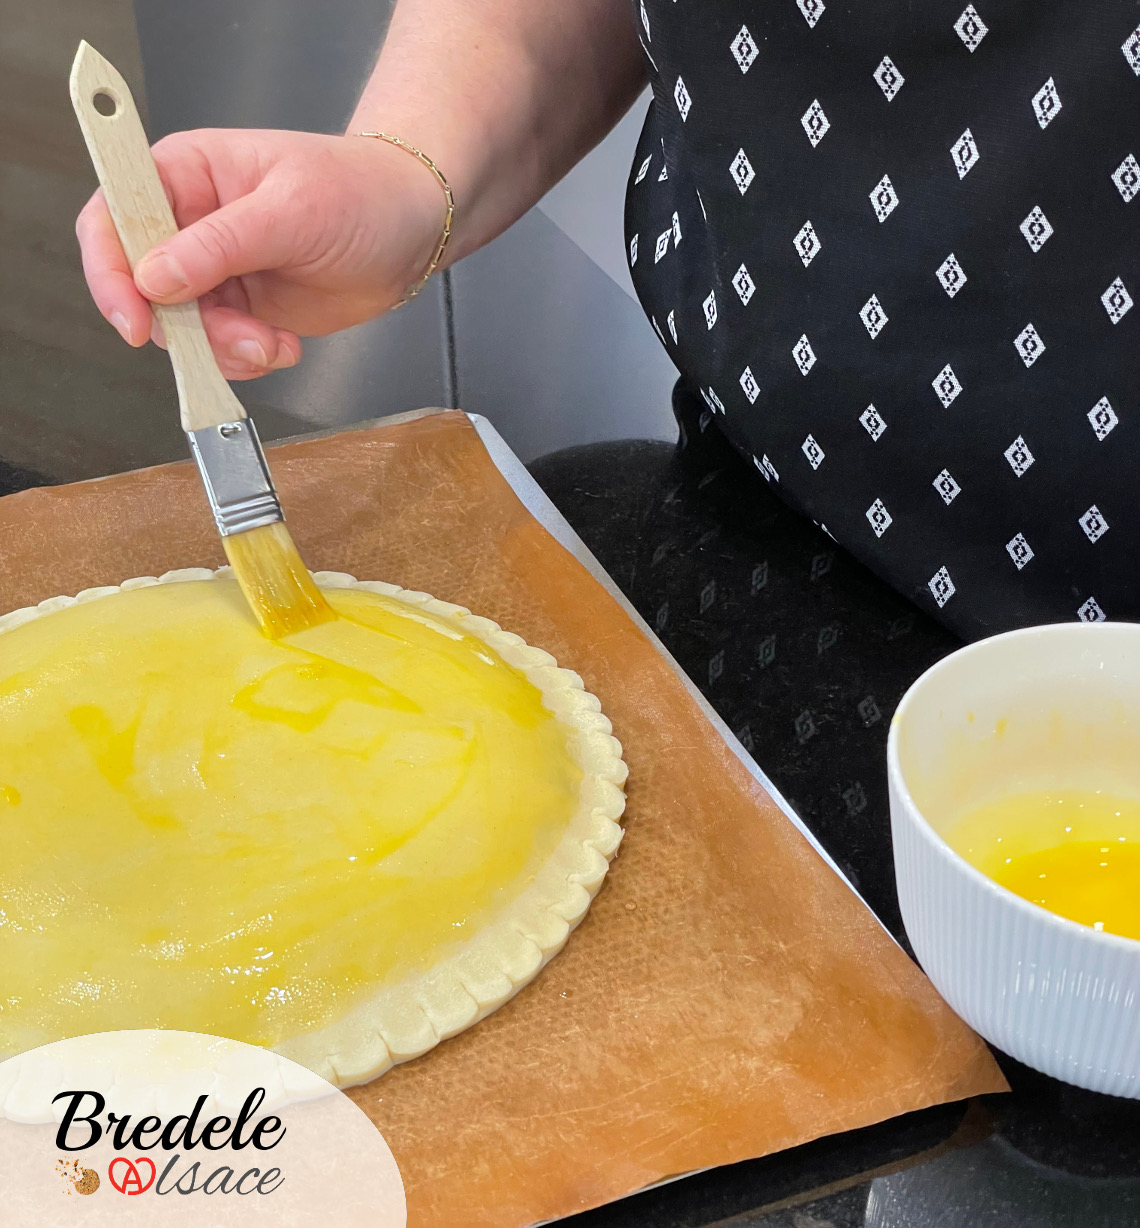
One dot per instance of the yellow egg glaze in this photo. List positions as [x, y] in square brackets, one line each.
[1074, 852]
[207, 830]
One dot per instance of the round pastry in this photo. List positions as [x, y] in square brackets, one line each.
[346, 845]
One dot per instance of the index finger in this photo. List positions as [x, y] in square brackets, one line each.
[108, 273]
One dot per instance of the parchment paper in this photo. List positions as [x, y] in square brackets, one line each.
[727, 995]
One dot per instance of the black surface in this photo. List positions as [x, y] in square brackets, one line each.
[666, 525]
[1083, 1133]
[13, 479]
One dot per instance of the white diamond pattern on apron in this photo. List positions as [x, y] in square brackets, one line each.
[1016, 189]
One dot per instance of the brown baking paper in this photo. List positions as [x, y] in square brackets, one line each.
[726, 996]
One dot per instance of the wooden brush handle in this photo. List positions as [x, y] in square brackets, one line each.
[142, 215]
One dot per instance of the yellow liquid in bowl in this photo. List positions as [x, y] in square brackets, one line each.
[1075, 853]
[204, 829]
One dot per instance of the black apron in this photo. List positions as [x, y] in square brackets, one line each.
[894, 245]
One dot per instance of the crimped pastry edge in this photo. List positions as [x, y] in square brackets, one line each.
[406, 1019]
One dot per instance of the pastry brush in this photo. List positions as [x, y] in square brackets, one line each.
[222, 437]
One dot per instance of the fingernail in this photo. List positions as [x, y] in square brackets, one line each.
[159, 275]
[122, 326]
[250, 351]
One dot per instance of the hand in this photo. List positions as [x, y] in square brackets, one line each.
[283, 234]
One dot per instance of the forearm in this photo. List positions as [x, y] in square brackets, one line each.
[504, 95]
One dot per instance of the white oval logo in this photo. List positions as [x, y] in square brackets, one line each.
[162, 1127]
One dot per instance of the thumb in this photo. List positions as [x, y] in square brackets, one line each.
[236, 239]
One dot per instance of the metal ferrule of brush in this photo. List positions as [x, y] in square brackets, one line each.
[236, 476]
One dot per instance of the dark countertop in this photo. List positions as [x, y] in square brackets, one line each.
[1047, 1156]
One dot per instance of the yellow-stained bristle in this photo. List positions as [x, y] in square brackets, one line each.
[277, 585]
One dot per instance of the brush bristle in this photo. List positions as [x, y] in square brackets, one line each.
[277, 585]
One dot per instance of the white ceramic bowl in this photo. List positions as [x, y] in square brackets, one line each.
[1039, 709]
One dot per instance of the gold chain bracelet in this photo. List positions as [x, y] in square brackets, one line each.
[441, 246]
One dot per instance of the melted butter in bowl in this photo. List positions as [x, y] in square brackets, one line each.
[1076, 853]
[203, 829]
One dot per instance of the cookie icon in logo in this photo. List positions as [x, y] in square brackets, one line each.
[76, 1178]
